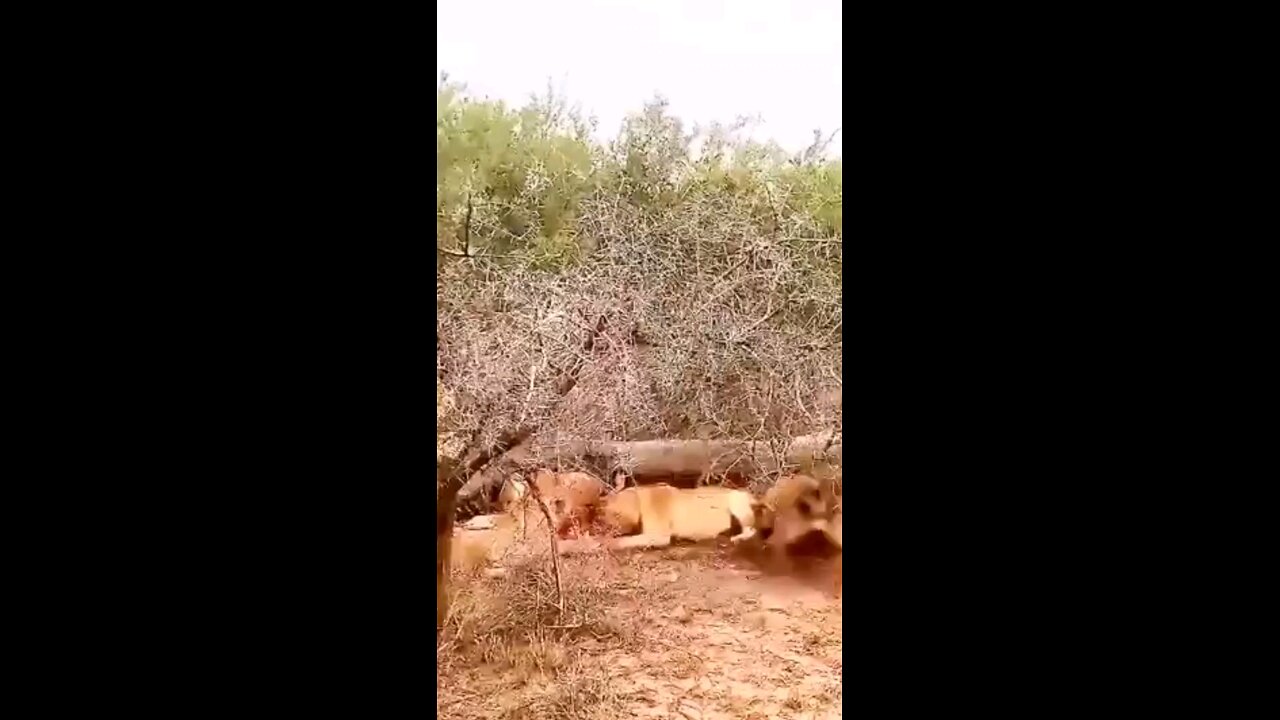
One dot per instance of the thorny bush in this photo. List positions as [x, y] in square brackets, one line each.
[712, 274]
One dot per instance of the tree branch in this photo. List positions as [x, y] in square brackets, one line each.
[555, 550]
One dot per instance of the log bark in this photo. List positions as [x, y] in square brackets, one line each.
[679, 462]
[695, 457]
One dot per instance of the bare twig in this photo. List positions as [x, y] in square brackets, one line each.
[555, 549]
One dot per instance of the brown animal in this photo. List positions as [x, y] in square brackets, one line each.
[514, 491]
[483, 543]
[795, 508]
[651, 515]
[572, 498]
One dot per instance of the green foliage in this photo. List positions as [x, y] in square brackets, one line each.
[524, 172]
[525, 175]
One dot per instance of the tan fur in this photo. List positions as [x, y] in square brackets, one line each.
[513, 492]
[546, 480]
[513, 499]
[572, 498]
[473, 549]
[794, 507]
[654, 514]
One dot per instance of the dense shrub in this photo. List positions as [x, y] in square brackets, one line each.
[716, 261]
[526, 173]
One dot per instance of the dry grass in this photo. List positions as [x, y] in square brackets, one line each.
[680, 632]
[509, 651]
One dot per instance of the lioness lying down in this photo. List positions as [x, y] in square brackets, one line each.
[652, 515]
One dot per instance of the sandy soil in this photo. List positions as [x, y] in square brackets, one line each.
[691, 631]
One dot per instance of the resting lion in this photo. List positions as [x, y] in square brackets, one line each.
[652, 515]
[572, 498]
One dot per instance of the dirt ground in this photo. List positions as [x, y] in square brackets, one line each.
[692, 631]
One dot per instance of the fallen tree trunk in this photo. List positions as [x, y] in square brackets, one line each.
[678, 462]
[645, 458]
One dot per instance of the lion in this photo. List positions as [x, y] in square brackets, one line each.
[572, 498]
[652, 515]
[514, 491]
[483, 544]
[794, 509]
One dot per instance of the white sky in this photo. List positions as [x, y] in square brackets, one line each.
[712, 59]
